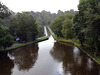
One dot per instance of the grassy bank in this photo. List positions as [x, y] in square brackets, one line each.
[72, 41]
[41, 39]
[95, 55]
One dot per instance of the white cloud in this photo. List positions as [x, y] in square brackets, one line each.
[39, 5]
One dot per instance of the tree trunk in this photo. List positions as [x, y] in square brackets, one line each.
[97, 44]
[81, 43]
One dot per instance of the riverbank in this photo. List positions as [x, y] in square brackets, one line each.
[24, 44]
[95, 55]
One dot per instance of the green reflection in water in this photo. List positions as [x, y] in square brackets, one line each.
[25, 57]
[74, 62]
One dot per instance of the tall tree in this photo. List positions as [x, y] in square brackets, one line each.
[78, 27]
[4, 11]
[67, 26]
[24, 26]
[56, 25]
[88, 19]
[6, 40]
[62, 26]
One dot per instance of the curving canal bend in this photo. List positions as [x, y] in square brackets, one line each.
[47, 58]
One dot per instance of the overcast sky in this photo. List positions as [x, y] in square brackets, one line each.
[39, 5]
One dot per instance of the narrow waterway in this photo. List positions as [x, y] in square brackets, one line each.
[47, 58]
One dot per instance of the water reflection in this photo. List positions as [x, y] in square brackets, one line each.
[6, 64]
[74, 62]
[77, 57]
[60, 70]
[59, 51]
[51, 58]
[49, 34]
[89, 64]
[25, 57]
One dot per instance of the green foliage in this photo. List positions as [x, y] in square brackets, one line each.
[41, 39]
[67, 31]
[24, 26]
[41, 31]
[62, 26]
[42, 18]
[55, 37]
[87, 21]
[4, 11]
[56, 25]
[45, 18]
[77, 27]
[6, 40]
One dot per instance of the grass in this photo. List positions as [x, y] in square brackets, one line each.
[57, 38]
[93, 53]
[98, 59]
[87, 49]
[41, 39]
[73, 41]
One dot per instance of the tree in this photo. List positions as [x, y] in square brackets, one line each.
[45, 17]
[6, 40]
[88, 19]
[59, 13]
[56, 25]
[24, 26]
[67, 26]
[77, 27]
[62, 26]
[4, 11]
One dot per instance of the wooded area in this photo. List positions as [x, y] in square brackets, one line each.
[25, 26]
[84, 25]
[16, 25]
[45, 43]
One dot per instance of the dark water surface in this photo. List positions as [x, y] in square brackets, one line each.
[47, 58]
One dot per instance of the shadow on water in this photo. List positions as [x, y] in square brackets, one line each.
[24, 58]
[49, 34]
[6, 64]
[21, 59]
[74, 62]
[47, 58]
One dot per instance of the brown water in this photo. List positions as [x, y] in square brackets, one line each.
[47, 58]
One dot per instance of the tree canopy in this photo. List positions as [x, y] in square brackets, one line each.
[24, 26]
[87, 22]
[67, 27]
[46, 17]
[56, 25]
[62, 26]
[4, 11]
[6, 39]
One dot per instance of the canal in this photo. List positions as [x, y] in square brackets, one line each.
[48, 57]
